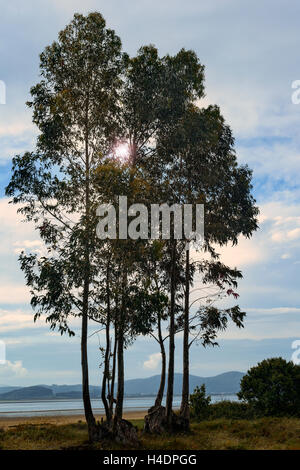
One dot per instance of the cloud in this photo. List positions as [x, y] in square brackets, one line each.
[12, 230]
[265, 323]
[247, 252]
[274, 310]
[16, 128]
[252, 85]
[12, 369]
[14, 294]
[35, 246]
[70, 6]
[13, 320]
[294, 234]
[17, 132]
[153, 362]
[12, 227]
[279, 229]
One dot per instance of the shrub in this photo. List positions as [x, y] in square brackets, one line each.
[272, 387]
[230, 410]
[199, 403]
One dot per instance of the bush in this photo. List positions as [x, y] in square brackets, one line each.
[202, 409]
[199, 404]
[272, 387]
[230, 410]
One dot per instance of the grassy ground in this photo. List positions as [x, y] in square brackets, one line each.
[266, 433]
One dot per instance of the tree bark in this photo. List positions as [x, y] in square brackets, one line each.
[120, 393]
[161, 389]
[90, 419]
[113, 374]
[107, 351]
[184, 409]
[169, 399]
[85, 379]
[105, 376]
[120, 353]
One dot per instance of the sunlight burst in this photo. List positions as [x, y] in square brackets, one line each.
[122, 150]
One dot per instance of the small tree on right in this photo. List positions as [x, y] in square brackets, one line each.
[272, 387]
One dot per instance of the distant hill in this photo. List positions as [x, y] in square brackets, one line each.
[47, 392]
[229, 382]
[73, 391]
[28, 393]
[226, 383]
[69, 395]
[4, 388]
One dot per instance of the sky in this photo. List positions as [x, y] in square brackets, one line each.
[250, 51]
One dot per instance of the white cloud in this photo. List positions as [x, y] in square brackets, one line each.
[12, 227]
[294, 234]
[12, 369]
[275, 161]
[275, 310]
[35, 246]
[16, 128]
[16, 135]
[13, 320]
[153, 362]
[247, 252]
[279, 224]
[14, 293]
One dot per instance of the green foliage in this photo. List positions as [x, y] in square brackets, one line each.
[75, 108]
[230, 410]
[201, 408]
[272, 387]
[199, 403]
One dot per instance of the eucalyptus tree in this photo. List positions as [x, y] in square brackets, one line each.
[199, 155]
[156, 94]
[75, 107]
[134, 301]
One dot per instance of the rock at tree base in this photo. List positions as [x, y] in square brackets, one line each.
[125, 433]
[156, 421]
[100, 431]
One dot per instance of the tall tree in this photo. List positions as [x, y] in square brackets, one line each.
[156, 94]
[75, 107]
[203, 168]
[135, 301]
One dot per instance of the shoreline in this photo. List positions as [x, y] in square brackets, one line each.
[12, 421]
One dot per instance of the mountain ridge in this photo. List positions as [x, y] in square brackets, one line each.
[225, 383]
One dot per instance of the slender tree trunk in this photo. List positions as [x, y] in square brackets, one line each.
[120, 393]
[105, 378]
[169, 400]
[106, 374]
[90, 419]
[161, 389]
[120, 352]
[85, 379]
[113, 374]
[185, 410]
[84, 360]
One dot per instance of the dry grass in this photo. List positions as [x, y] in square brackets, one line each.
[266, 433]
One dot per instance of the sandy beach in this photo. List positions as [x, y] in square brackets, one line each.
[7, 422]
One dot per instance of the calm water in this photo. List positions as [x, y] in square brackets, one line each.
[75, 406]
